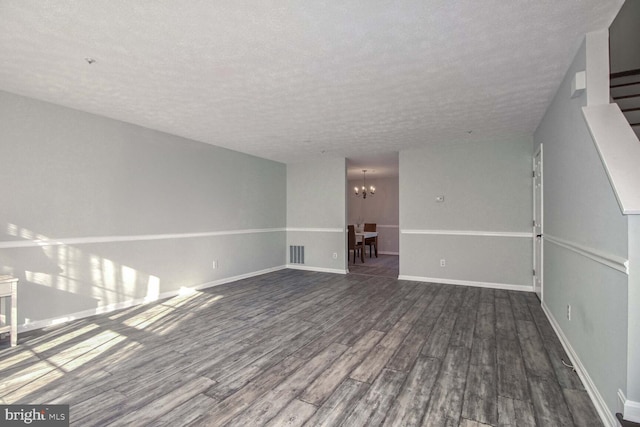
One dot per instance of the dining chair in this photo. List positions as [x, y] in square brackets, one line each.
[353, 245]
[371, 240]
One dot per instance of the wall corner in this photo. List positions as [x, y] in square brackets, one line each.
[597, 43]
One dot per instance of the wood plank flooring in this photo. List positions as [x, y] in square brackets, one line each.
[381, 266]
[294, 348]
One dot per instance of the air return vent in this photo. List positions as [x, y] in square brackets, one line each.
[296, 254]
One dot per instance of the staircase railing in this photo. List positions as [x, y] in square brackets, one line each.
[625, 91]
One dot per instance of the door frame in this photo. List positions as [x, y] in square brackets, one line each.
[538, 267]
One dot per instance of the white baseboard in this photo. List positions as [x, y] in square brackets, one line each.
[506, 286]
[605, 414]
[39, 324]
[621, 401]
[318, 269]
[631, 409]
[388, 253]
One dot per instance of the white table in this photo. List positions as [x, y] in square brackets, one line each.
[365, 234]
[361, 235]
[9, 289]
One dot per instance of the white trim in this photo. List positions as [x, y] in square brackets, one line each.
[601, 407]
[610, 260]
[507, 286]
[526, 234]
[12, 244]
[619, 151]
[138, 301]
[388, 253]
[133, 238]
[621, 400]
[631, 411]
[317, 230]
[539, 266]
[387, 226]
[318, 269]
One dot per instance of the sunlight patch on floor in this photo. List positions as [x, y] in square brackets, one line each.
[47, 345]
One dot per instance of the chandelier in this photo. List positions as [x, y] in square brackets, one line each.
[371, 191]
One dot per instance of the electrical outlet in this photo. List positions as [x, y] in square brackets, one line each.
[568, 311]
[443, 262]
[335, 255]
[215, 264]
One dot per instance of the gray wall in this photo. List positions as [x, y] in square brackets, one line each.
[381, 209]
[580, 208]
[633, 310]
[76, 176]
[487, 188]
[316, 212]
[624, 34]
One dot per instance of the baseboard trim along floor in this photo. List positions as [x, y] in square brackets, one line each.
[39, 324]
[302, 346]
[606, 416]
[505, 286]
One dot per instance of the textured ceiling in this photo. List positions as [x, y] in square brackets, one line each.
[295, 80]
[383, 165]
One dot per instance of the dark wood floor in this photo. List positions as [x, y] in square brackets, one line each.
[304, 348]
[382, 265]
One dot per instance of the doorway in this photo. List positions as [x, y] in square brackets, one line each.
[538, 223]
[380, 209]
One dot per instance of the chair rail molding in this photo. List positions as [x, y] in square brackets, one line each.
[616, 262]
[523, 234]
[317, 230]
[133, 238]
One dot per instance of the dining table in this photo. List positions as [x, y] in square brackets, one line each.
[362, 235]
[365, 234]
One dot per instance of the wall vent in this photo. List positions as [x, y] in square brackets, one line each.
[296, 254]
